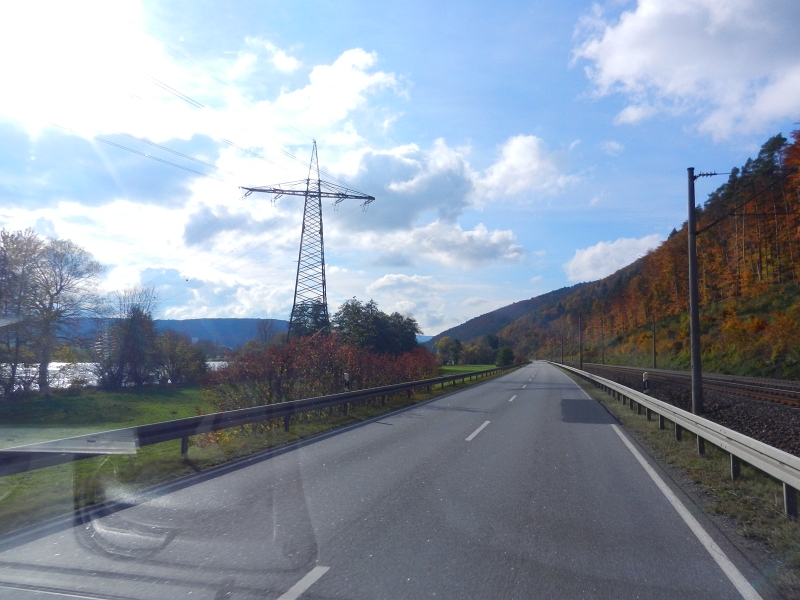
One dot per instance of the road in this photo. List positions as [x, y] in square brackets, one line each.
[521, 487]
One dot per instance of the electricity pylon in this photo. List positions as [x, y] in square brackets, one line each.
[310, 307]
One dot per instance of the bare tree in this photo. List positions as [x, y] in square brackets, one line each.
[267, 331]
[19, 252]
[126, 352]
[65, 289]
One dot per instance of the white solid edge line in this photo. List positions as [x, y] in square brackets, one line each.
[477, 431]
[512, 398]
[737, 579]
[306, 582]
[62, 594]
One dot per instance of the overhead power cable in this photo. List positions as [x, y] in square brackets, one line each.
[209, 73]
[144, 154]
[191, 101]
[181, 154]
[753, 197]
[175, 92]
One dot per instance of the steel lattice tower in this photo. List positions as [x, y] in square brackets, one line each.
[310, 307]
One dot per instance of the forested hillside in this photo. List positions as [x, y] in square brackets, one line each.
[749, 263]
[494, 321]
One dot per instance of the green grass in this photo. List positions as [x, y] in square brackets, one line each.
[35, 496]
[754, 501]
[63, 414]
[456, 369]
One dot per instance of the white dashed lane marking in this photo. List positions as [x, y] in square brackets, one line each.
[477, 431]
[306, 582]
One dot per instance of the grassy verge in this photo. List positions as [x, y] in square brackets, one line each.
[754, 501]
[457, 369]
[97, 408]
[32, 497]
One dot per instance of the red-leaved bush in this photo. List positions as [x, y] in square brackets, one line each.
[309, 367]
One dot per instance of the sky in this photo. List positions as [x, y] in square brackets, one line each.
[512, 148]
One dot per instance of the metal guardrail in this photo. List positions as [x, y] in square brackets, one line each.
[781, 465]
[21, 459]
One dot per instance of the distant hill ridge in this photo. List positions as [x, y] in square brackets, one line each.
[494, 321]
[232, 333]
[227, 332]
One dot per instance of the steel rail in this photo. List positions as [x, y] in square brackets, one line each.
[781, 465]
[720, 383]
[29, 457]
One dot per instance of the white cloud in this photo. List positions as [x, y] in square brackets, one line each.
[335, 90]
[412, 181]
[735, 63]
[419, 295]
[612, 148]
[395, 282]
[604, 258]
[436, 161]
[524, 165]
[447, 244]
[281, 60]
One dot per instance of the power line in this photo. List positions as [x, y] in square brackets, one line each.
[209, 73]
[186, 156]
[171, 90]
[191, 101]
[741, 204]
[143, 154]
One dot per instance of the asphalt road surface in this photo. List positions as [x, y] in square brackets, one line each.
[521, 487]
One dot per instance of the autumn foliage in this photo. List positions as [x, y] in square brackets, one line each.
[309, 367]
[749, 268]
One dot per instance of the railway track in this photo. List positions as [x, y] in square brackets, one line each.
[771, 390]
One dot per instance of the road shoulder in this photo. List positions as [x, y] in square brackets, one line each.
[771, 572]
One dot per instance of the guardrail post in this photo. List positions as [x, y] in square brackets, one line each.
[662, 422]
[286, 420]
[678, 432]
[185, 445]
[789, 500]
[638, 408]
[736, 467]
[701, 446]
[624, 400]
[383, 397]
[344, 407]
[649, 414]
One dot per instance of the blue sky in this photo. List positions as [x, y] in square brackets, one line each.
[513, 149]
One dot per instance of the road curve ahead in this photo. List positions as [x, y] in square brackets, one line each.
[521, 487]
